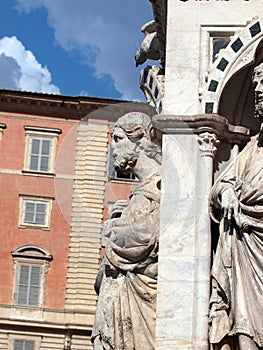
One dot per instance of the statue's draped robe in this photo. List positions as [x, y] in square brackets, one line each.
[236, 304]
[125, 316]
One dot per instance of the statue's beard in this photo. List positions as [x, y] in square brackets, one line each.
[259, 109]
[125, 162]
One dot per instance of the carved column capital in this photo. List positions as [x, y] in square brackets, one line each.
[208, 144]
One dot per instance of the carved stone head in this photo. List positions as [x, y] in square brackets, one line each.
[132, 133]
[258, 86]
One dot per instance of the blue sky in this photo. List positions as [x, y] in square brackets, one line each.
[72, 47]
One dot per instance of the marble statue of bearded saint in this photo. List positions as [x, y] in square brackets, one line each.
[236, 305]
[127, 280]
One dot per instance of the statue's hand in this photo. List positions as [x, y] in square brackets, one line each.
[230, 205]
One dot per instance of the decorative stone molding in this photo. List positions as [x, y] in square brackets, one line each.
[238, 53]
[195, 124]
[152, 84]
[41, 129]
[53, 326]
[208, 142]
[31, 251]
[52, 105]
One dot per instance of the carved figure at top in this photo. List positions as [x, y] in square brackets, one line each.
[236, 304]
[126, 283]
[150, 48]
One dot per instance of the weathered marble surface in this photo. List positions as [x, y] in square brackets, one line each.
[184, 253]
[187, 46]
[127, 281]
[149, 48]
[237, 282]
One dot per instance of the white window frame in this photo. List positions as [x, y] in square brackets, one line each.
[13, 337]
[36, 200]
[35, 256]
[40, 133]
[207, 35]
[208, 32]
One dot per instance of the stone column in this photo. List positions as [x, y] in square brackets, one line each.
[208, 146]
[208, 142]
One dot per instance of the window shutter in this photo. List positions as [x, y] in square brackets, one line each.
[29, 345]
[24, 345]
[18, 345]
[29, 285]
[35, 213]
[29, 212]
[45, 155]
[40, 155]
[40, 213]
[34, 155]
[34, 286]
[23, 285]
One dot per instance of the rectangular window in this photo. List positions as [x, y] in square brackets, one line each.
[119, 175]
[40, 150]
[219, 43]
[24, 345]
[28, 285]
[35, 211]
[40, 155]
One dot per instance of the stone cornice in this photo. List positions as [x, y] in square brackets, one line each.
[197, 124]
[52, 105]
[40, 325]
[46, 318]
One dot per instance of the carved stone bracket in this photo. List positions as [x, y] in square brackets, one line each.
[202, 123]
[208, 144]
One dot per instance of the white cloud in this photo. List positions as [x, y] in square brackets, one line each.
[10, 73]
[84, 93]
[107, 33]
[21, 69]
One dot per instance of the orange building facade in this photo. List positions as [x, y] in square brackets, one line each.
[57, 184]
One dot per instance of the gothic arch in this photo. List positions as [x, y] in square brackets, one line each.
[228, 90]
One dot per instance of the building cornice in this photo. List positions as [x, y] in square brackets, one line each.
[45, 318]
[52, 105]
